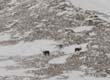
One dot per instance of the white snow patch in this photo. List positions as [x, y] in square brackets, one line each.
[59, 60]
[108, 54]
[95, 46]
[61, 13]
[64, 12]
[83, 67]
[18, 72]
[83, 28]
[26, 49]
[5, 36]
[92, 34]
[7, 63]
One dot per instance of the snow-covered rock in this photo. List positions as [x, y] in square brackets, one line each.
[83, 28]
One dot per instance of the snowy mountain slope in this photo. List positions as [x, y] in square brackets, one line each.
[29, 27]
[98, 5]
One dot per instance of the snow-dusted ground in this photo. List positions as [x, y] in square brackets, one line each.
[18, 72]
[59, 60]
[24, 60]
[22, 49]
[29, 49]
[35, 48]
[26, 49]
[7, 63]
[83, 28]
[4, 37]
[75, 75]
[98, 5]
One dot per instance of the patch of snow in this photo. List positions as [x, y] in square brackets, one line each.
[90, 39]
[95, 46]
[83, 67]
[5, 36]
[83, 28]
[92, 34]
[70, 49]
[27, 49]
[66, 2]
[39, 25]
[34, 6]
[64, 12]
[59, 60]
[7, 63]
[108, 54]
[61, 13]
[18, 72]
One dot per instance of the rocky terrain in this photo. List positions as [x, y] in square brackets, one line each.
[27, 27]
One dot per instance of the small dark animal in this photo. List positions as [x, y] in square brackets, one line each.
[46, 52]
[95, 16]
[69, 30]
[60, 46]
[77, 49]
[90, 22]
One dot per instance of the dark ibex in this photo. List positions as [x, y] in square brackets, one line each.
[77, 49]
[46, 52]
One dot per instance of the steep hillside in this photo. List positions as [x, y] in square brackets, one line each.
[29, 27]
